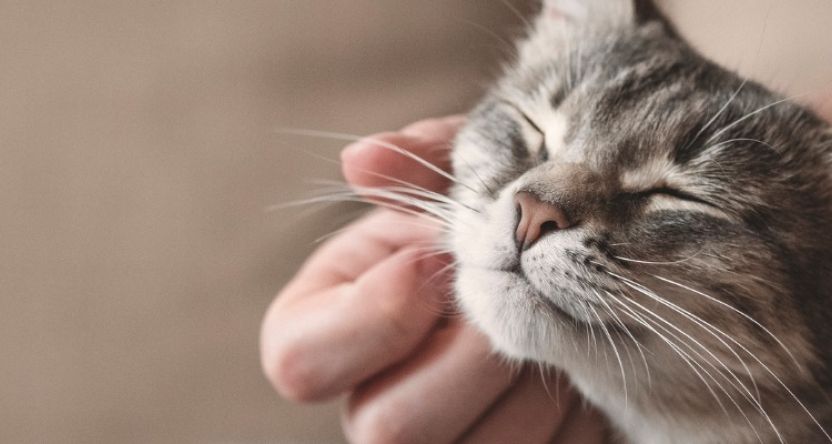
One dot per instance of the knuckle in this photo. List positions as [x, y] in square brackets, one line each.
[395, 311]
[402, 322]
[365, 155]
[376, 424]
[424, 125]
[403, 328]
[286, 369]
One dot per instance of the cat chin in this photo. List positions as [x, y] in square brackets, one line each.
[508, 310]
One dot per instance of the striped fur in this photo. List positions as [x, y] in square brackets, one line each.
[691, 301]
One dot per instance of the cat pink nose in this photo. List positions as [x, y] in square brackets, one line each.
[537, 218]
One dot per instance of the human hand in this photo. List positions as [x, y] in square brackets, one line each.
[823, 105]
[363, 317]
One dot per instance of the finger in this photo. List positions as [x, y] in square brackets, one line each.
[365, 163]
[824, 107]
[321, 345]
[530, 413]
[444, 128]
[358, 248]
[433, 397]
[584, 425]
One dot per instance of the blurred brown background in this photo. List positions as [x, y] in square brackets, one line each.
[138, 154]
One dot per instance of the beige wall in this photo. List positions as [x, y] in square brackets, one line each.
[137, 155]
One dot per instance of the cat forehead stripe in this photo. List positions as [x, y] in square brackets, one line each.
[554, 124]
[654, 172]
[667, 203]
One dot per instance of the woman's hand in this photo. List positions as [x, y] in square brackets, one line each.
[365, 316]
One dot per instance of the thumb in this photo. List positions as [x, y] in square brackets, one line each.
[365, 163]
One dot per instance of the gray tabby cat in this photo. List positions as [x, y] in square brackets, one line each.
[653, 225]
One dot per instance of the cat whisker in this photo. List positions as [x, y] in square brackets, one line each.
[346, 137]
[715, 332]
[733, 381]
[543, 376]
[759, 110]
[338, 198]
[737, 311]
[605, 309]
[746, 117]
[426, 195]
[698, 321]
[636, 261]
[505, 46]
[716, 116]
[692, 363]
[330, 235]
[423, 192]
[606, 332]
[772, 374]
[409, 197]
[476, 174]
[741, 139]
[686, 358]
[431, 212]
[786, 388]
[590, 332]
[627, 331]
[433, 250]
[595, 338]
[517, 13]
[767, 282]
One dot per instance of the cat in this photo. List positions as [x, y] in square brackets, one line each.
[654, 226]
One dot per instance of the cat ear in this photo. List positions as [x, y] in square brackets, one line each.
[564, 24]
[601, 14]
[588, 14]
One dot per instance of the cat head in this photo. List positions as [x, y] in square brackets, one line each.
[618, 188]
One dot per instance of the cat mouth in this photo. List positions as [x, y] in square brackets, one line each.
[555, 309]
[568, 307]
[537, 297]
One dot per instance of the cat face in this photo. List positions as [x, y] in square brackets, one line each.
[623, 193]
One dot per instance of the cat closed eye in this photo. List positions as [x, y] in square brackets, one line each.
[533, 135]
[673, 193]
[536, 139]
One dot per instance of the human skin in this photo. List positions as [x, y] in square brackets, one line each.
[368, 315]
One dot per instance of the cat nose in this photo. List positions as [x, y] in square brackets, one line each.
[537, 218]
